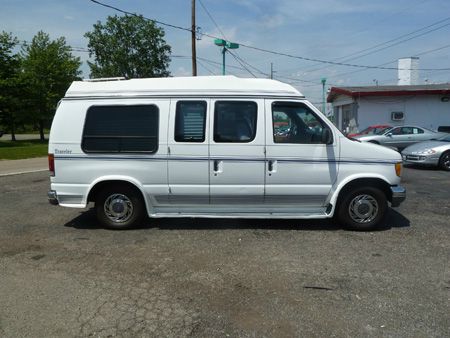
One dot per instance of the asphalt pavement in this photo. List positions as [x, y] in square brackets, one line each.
[22, 137]
[61, 275]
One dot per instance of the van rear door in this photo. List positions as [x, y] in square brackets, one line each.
[188, 165]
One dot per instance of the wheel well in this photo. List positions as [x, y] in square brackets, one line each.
[443, 154]
[101, 185]
[374, 142]
[366, 182]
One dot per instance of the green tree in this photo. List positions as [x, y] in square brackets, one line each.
[10, 83]
[48, 68]
[128, 46]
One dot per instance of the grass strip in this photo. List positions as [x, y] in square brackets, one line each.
[18, 150]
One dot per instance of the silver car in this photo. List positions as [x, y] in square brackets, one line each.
[434, 153]
[401, 137]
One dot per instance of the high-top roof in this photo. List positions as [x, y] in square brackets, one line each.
[203, 85]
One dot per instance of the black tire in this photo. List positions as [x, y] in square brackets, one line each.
[374, 142]
[444, 161]
[119, 207]
[362, 209]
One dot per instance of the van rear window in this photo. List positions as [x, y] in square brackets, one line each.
[121, 129]
[190, 121]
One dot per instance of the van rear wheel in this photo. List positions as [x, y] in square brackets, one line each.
[119, 207]
[363, 209]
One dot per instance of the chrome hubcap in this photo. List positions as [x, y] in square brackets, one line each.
[363, 209]
[118, 208]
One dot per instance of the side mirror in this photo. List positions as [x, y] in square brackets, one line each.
[389, 134]
[327, 136]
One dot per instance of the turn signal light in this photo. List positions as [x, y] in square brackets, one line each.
[398, 168]
[51, 164]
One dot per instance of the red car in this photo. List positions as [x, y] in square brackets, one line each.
[372, 130]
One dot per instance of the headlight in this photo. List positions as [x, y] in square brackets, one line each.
[427, 152]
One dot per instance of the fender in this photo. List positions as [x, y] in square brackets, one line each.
[131, 180]
[334, 193]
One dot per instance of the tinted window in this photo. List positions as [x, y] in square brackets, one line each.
[295, 123]
[396, 131]
[235, 121]
[116, 129]
[190, 121]
[407, 130]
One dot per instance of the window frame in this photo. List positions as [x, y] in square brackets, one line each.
[83, 135]
[204, 120]
[296, 103]
[255, 131]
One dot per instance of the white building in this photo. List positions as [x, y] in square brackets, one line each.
[356, 108]
[408, 71]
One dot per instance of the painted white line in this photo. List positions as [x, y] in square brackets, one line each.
[23, 172]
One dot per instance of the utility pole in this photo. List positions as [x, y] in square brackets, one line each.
[193, 31]
[271, 70]
[324, 80]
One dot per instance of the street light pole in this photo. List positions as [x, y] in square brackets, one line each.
[225, 46]
[224, 50]
[324, 80]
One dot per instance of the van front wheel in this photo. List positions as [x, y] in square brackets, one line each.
[119, 206]
[363, 209]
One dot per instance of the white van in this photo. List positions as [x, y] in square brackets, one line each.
[212, 147]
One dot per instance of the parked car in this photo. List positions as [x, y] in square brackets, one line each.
[1, 133]
[212, 147]
[401, 137]
[432, 153]
[377, 129]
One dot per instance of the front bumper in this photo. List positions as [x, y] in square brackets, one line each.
[432, 160]
[52, 197]
[398, 194]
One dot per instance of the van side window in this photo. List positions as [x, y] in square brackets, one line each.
[294, 122]
[190, 120]
[121, 129]
[235, 121]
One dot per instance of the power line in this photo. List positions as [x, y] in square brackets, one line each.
[235, 55]
[392, 14]
[258, 48]
[204, 67]
[212, 19]
[25, 43]
[393, 61]
[374, 49]
[241, 63]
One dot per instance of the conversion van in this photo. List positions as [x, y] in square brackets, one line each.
[212, 147]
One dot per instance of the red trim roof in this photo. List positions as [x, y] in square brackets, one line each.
[441, 89]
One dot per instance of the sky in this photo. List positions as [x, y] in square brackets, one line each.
[358, 32]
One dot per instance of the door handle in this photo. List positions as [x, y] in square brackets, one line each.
[271, 166]
[216, 165]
